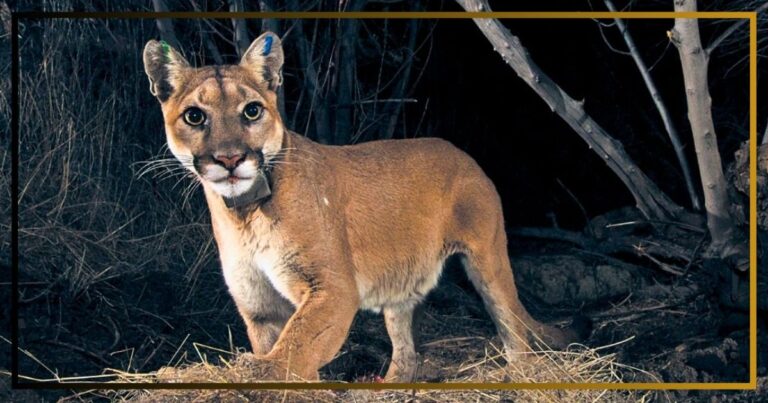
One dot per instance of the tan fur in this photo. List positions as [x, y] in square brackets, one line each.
[367, 226]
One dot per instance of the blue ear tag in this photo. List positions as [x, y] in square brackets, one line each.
[267, 45]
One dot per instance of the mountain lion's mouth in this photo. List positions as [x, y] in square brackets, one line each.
[258, 191]
[232, 179]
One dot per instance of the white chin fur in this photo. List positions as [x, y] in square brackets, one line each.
[216, 177]
[231, 190]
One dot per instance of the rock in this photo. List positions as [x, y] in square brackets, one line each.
[572, 280]
[738, 191]
[738, 178]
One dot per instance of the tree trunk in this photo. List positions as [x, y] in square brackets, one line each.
[402, 84]
[346, 62]
[318, 109]
[165, 25]
[239, 27]
[695, 63]
[651, 201]
[273, 25]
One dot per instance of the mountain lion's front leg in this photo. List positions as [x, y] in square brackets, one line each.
[262, 308]
[316, 332]
[264, 326]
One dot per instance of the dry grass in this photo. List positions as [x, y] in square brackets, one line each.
[579, 364]
[84, 212]
[93, 233]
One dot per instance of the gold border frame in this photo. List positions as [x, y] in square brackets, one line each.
[749, 15]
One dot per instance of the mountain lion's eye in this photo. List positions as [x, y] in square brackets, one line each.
[194, 116]
[252, 111]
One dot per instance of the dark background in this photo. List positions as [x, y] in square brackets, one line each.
[113, 262]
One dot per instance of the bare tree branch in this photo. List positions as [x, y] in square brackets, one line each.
[165, 25]
[651, 201]
[239, 27]
[669, 125]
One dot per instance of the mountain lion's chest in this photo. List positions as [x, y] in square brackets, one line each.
[255, 255]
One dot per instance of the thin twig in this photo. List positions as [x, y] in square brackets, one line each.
[664, 222]
[666, 118]
[695, 253]
[663, 266]
[77, 349]
[550, 233]
[375, 101]
[728, 32]
[576, 200]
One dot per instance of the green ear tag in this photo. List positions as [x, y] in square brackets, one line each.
[166, 50]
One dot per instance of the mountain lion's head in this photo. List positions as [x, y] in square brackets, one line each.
[221, 122]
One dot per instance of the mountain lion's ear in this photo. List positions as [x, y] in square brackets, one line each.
[164, 67]
[265, 59]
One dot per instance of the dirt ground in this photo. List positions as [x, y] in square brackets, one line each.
[685, 337]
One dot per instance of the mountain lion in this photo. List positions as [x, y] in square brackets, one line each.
[308, 234]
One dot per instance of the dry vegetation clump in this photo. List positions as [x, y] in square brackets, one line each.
[5, 138]
[577, 365]
[86, 217]
[111, 250]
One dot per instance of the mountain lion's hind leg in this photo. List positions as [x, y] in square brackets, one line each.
[489, 270]
[399, 322]
[494, 282]
[479, 228]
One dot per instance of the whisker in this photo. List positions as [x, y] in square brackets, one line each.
[187, 193]
[167, 175]
[283, 151]
[179, 181]
[163, 166]
[297, 156]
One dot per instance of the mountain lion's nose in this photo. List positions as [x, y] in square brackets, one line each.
[229, 161]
